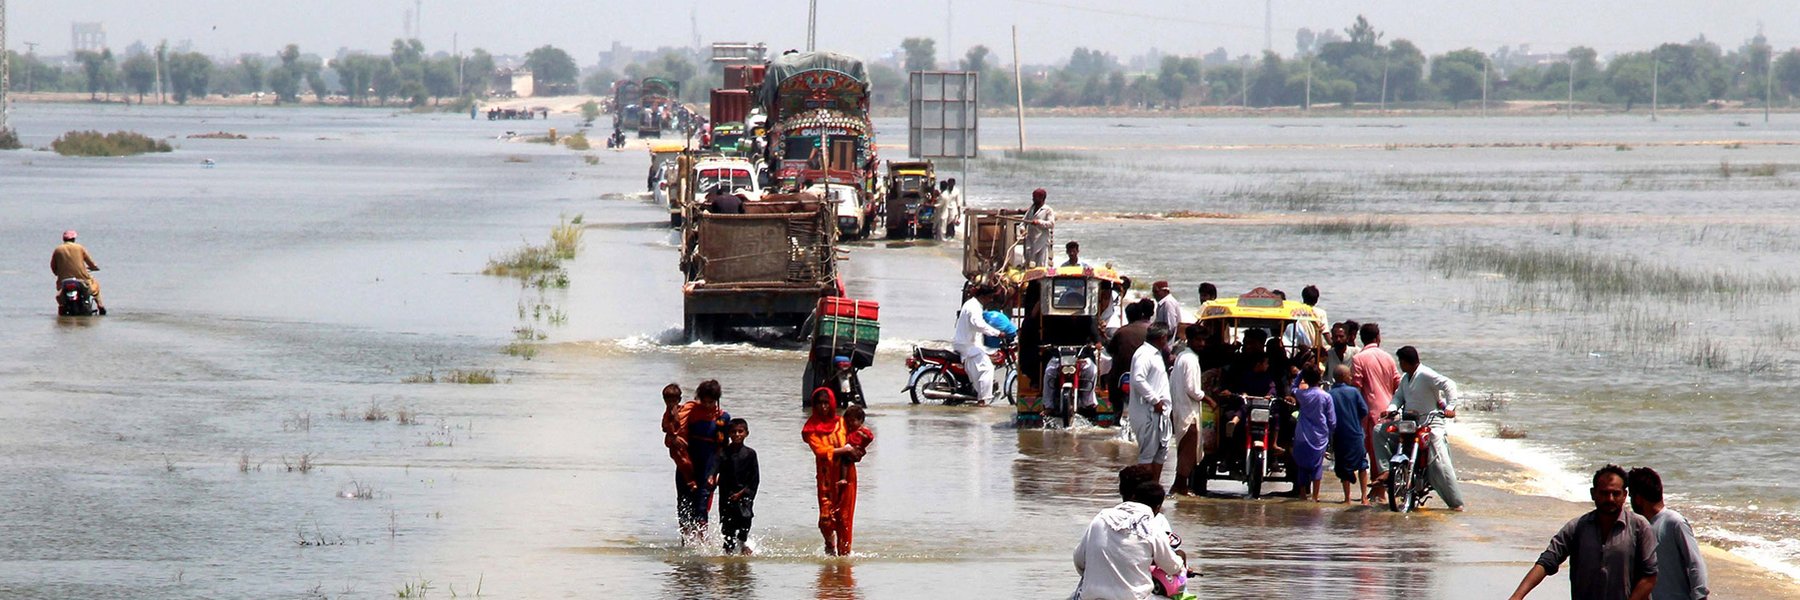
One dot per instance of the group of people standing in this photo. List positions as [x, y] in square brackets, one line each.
[711, 461]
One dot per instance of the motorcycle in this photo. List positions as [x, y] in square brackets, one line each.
[841, 377]
[1257, 468]
[938, 375]
[1070, 361]
[74, 300]
[1408, 487]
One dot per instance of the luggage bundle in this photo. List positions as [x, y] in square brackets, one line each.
[848, 327]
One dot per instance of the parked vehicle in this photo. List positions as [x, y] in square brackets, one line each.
[1408, 486]
[657, 106]
[73, 299]
[847, 201]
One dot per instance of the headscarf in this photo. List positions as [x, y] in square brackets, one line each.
[822, 425]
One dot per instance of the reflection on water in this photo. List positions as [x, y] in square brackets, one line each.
[836, 582]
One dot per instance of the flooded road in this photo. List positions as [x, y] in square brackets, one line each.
[242, 425]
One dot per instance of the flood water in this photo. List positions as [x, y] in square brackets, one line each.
[266, 308]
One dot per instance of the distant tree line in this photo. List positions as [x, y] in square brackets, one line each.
[406, 74]
[1361, 67]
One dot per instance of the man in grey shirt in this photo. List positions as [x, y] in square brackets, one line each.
[1681, 575]
[1611, 552]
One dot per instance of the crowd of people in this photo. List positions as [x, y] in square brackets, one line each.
[712, 461]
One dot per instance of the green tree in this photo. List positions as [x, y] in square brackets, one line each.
[1787, 73]
[1628, 79]
[98, 67]
[921, 54]
[1268, 83]
[1405, 72]
[315, 79]
[440, 77]
[1170, 81]
[356, 74]
[599, 82]
[189, 75]
[1691, 74]
[1458, 74]
[976, 59]
[551, 68]
[140, 74]
[284, 79]
[251, 71]
[478, 71]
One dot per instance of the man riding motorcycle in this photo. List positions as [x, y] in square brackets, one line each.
[71, 261]
[1420, 391]
[970, 327]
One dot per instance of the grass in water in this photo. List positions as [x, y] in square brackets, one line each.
[475, 377]
[1352, 227]
[531, 261]
[9, 139]
[118, 143]
[1594, 276]
[578, 141]
[1042, 155]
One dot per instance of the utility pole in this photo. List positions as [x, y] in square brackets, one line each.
[950, 32]
[1769, 85]
[1654, 81]
[1019, 88]
[1244, 84]
[1268, 25]
[456, 50]
[1484, 77]
[812, 23]
[1308, 107]
[162, 54]
[5, 69]
[1569, 108]
[1384, 73]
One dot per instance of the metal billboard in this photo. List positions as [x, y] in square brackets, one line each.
[941, 115]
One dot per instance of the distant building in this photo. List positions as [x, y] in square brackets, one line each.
[514, 82]
[87, 36]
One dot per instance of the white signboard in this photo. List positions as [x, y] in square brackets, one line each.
[941, 120]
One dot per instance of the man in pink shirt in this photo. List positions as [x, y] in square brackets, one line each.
[1376, 375]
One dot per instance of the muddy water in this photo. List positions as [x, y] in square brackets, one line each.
[265, 306]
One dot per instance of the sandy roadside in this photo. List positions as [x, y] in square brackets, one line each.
[1507, 526]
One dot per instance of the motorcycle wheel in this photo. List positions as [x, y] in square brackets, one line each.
[1400, 489]
[1253, 472]
[1009, 385]
[933, 378]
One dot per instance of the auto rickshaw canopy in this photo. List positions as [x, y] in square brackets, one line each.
[1260, 304]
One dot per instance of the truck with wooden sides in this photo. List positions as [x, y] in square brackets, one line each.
[766, 267]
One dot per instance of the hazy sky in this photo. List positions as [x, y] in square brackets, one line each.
[1048, 29]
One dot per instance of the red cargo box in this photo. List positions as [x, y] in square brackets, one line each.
[850, 308]
[730, 106]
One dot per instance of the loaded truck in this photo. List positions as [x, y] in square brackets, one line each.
[817, 106]
[766, 267]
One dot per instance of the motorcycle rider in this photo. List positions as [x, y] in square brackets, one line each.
[1420, 391]
[970, 326]
[71, 261]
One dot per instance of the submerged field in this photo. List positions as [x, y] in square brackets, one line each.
[1628, 302]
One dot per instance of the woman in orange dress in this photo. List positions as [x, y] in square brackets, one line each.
[835, 462]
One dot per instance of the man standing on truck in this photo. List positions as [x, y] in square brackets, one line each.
[970, 326]
[1040, 224]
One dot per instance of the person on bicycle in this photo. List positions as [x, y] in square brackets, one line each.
[1421, 391]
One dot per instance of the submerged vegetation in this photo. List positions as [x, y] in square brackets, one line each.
[118, 143]
[9, 139]
[1365, 227]
[1595, 276]
[472, 376]
[541, 265]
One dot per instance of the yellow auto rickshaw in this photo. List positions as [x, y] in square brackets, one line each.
[1256, 456]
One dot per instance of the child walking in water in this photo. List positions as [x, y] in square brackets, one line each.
[856, 436]
[738, 478]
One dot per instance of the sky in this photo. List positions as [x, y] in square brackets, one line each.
[1048, 29]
